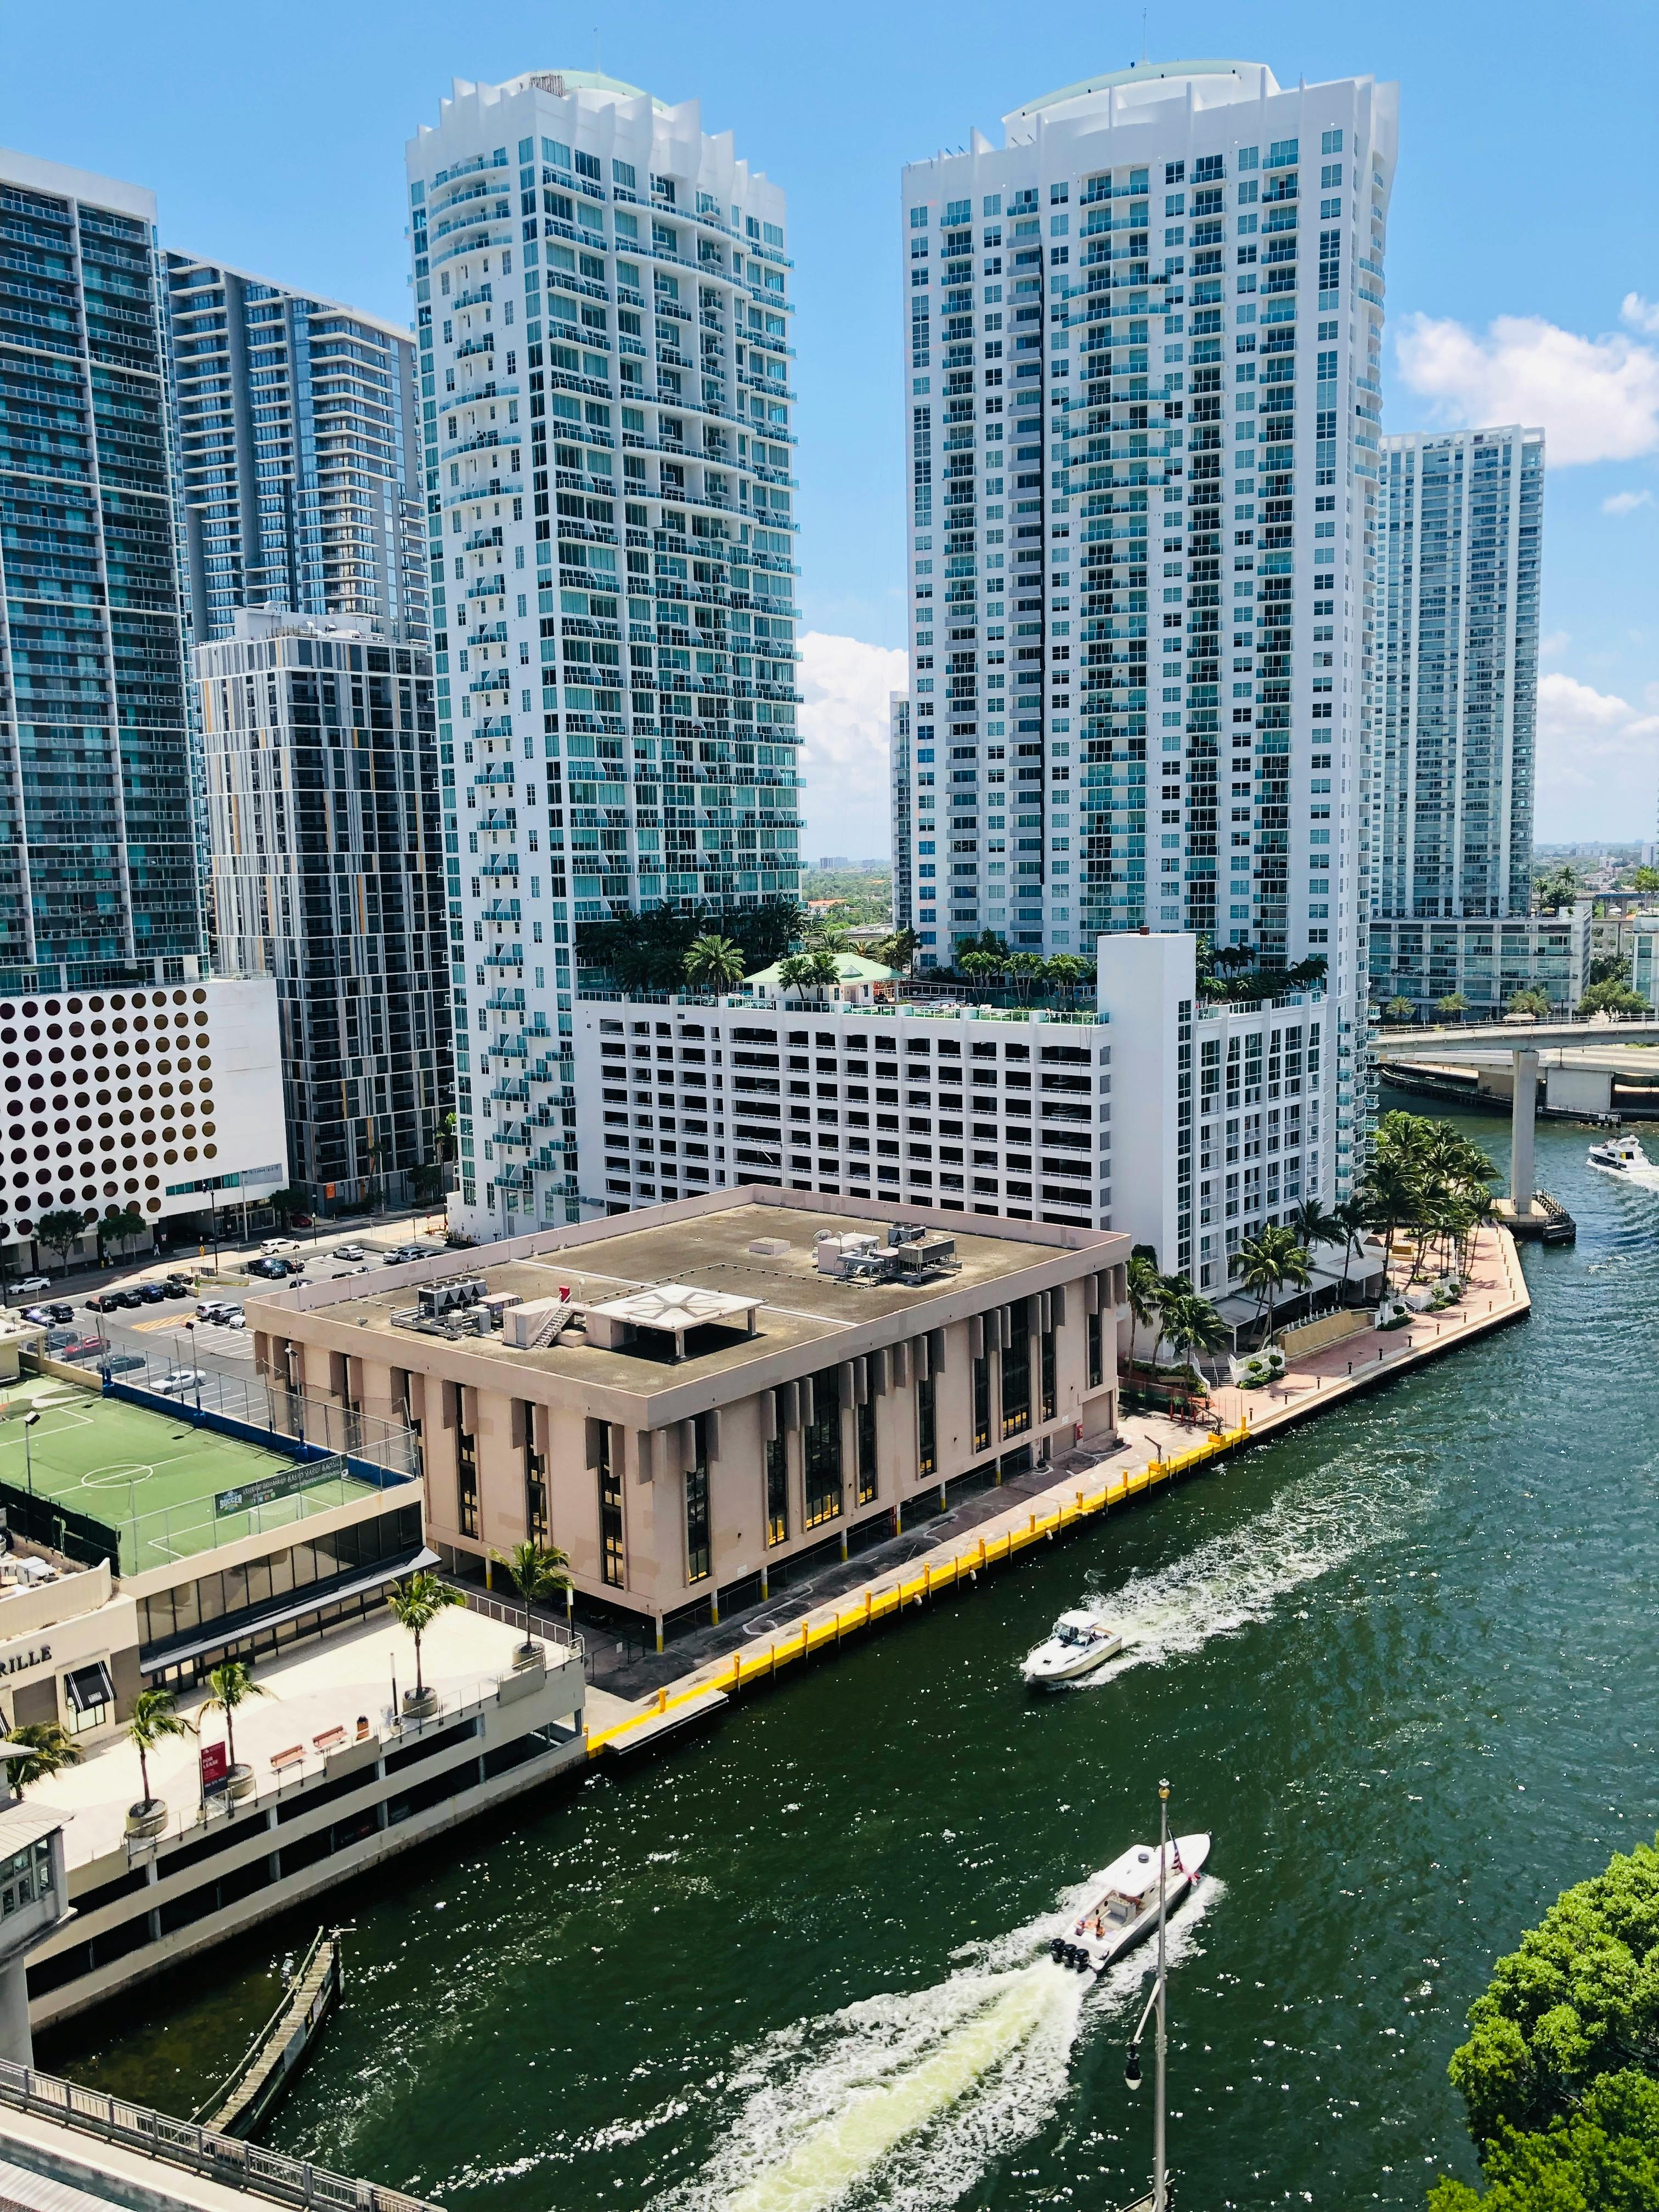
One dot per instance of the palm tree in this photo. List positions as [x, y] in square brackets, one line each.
[899, 949]
[1264, 1263]
[416, 1605]
[1025, 967]
[231, 1684]
[1392, 1194]
[50, 1749]
[537, 1571]
[1144, 1293]
[1191, 1324]
[1171, 1288]
[804, 971]
[715, 961]
[1314, 1225]
[1067, 972]
[154, 1718]
[1347, 1217]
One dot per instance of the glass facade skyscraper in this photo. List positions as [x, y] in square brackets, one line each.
[1142, 348]
[98, 870]
[296, 432]
[602, 303]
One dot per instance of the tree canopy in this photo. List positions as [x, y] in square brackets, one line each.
[1557, 2074]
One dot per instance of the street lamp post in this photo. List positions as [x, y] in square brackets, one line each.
[1159, 2199]
[29, 1421]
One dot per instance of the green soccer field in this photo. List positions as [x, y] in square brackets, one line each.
[151, 1477]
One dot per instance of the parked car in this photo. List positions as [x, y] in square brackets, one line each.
[347, 1251]
[300, 1221]
[79, 1346]
[178, 1286]
[131, 1299]
[361, 1267]
[270, 1271]
[37, 1313]
[105, 1301]
[180, 1378]
[153, 1294]
[122, 1363]
[274, 1244]
[61, 1312]
[27, 1283]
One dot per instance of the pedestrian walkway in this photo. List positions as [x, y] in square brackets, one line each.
[1151, 1449]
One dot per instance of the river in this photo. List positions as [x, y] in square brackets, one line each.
[1400, 1662]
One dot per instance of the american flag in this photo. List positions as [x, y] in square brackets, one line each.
[1178, 1867]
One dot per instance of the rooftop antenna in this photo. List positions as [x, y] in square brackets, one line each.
[1143, 38]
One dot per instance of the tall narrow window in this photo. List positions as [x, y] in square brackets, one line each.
[1016, 1378]
[982, 1404]
[696, 1515]
[777, 1491]
[611, 1511]
[1047, 1385]
[535, 1483]
[821, 1451]
[1097, 1353]
[926, 1445]
[466, 1480]
[866, 1426]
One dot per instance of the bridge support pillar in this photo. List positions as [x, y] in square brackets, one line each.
[1521, 1130]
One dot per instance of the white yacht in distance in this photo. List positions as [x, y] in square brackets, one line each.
[1078, 1646]
[1126, 1910]
[1623, 1157]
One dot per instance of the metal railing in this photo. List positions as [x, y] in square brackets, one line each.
[224, 2159]
[512, 1615]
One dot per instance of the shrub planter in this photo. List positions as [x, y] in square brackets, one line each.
[148, 1817]
[238, 1781]
[420, 1705]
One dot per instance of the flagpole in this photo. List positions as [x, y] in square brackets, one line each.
[1160, 2185]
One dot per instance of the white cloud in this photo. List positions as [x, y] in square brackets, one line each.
[1626, 502]
[1557, 641]
[1597, 398]
[844, 751]
[1598, 761]
[1641, 314]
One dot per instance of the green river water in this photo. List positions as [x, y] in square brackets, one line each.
[1400, 1663]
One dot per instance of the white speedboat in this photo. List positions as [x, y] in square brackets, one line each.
[1623, 1156]
[1078, 1644]
[1126, 1910]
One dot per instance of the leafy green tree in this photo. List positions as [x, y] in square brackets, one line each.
[285, 1204]
[1025, 968]
[1398, 1010]
[1191, 1324]
[50, 1748]
[1264, 1264]
[428, 1181]
[1610, 967]
[898, 950]
[1645, 880]
[1347, 1220]
[1172, 1290]
[714, 961]
[120, 1228]
[1452, 1007]
[808, 972]
[60, 1231]
[1067, 972]
[1612, 998]
[1528, 1000]
[1554, 887]
[1556, 2076]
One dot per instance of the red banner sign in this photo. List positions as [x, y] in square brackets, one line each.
[215, 1766]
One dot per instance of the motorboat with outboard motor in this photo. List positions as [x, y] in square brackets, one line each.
[1078, 1646]
[1623, 1156]
[1125, 1912]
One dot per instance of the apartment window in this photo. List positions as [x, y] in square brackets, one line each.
[981, 1404]
[610, 1512]
[926, 1435]
[866, 1441]
[696, 1515]
[1045, 1384]
[1097, 1353]
[823, 1451]
[466, 1482]
[1016, 1378]
[535, 1484]
[777, 1491]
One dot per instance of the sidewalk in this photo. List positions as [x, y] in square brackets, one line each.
[1151, 1450]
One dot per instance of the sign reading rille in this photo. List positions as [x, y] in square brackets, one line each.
[265, 1489]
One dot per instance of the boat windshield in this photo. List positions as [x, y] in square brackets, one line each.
[1066, 1632]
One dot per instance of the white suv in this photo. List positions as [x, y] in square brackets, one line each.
[272, 1245]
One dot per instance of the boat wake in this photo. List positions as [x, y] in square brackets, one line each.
[903, 2101]
[1230, 1582]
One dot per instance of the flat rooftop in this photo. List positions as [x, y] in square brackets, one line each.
[708, 1252]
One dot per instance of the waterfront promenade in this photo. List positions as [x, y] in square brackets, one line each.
[1151, 1450]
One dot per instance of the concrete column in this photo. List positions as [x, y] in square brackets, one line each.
[16, 2043]
[1521, 1128]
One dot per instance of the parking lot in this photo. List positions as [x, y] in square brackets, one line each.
[168, 1328]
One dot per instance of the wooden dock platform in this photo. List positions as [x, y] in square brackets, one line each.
[244, 2101]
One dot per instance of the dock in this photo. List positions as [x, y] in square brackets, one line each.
[242, 2102]
[1151, 1454]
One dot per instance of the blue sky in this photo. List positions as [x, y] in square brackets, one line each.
[1523, 221]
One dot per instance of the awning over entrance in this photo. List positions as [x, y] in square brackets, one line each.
[293, 1605]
